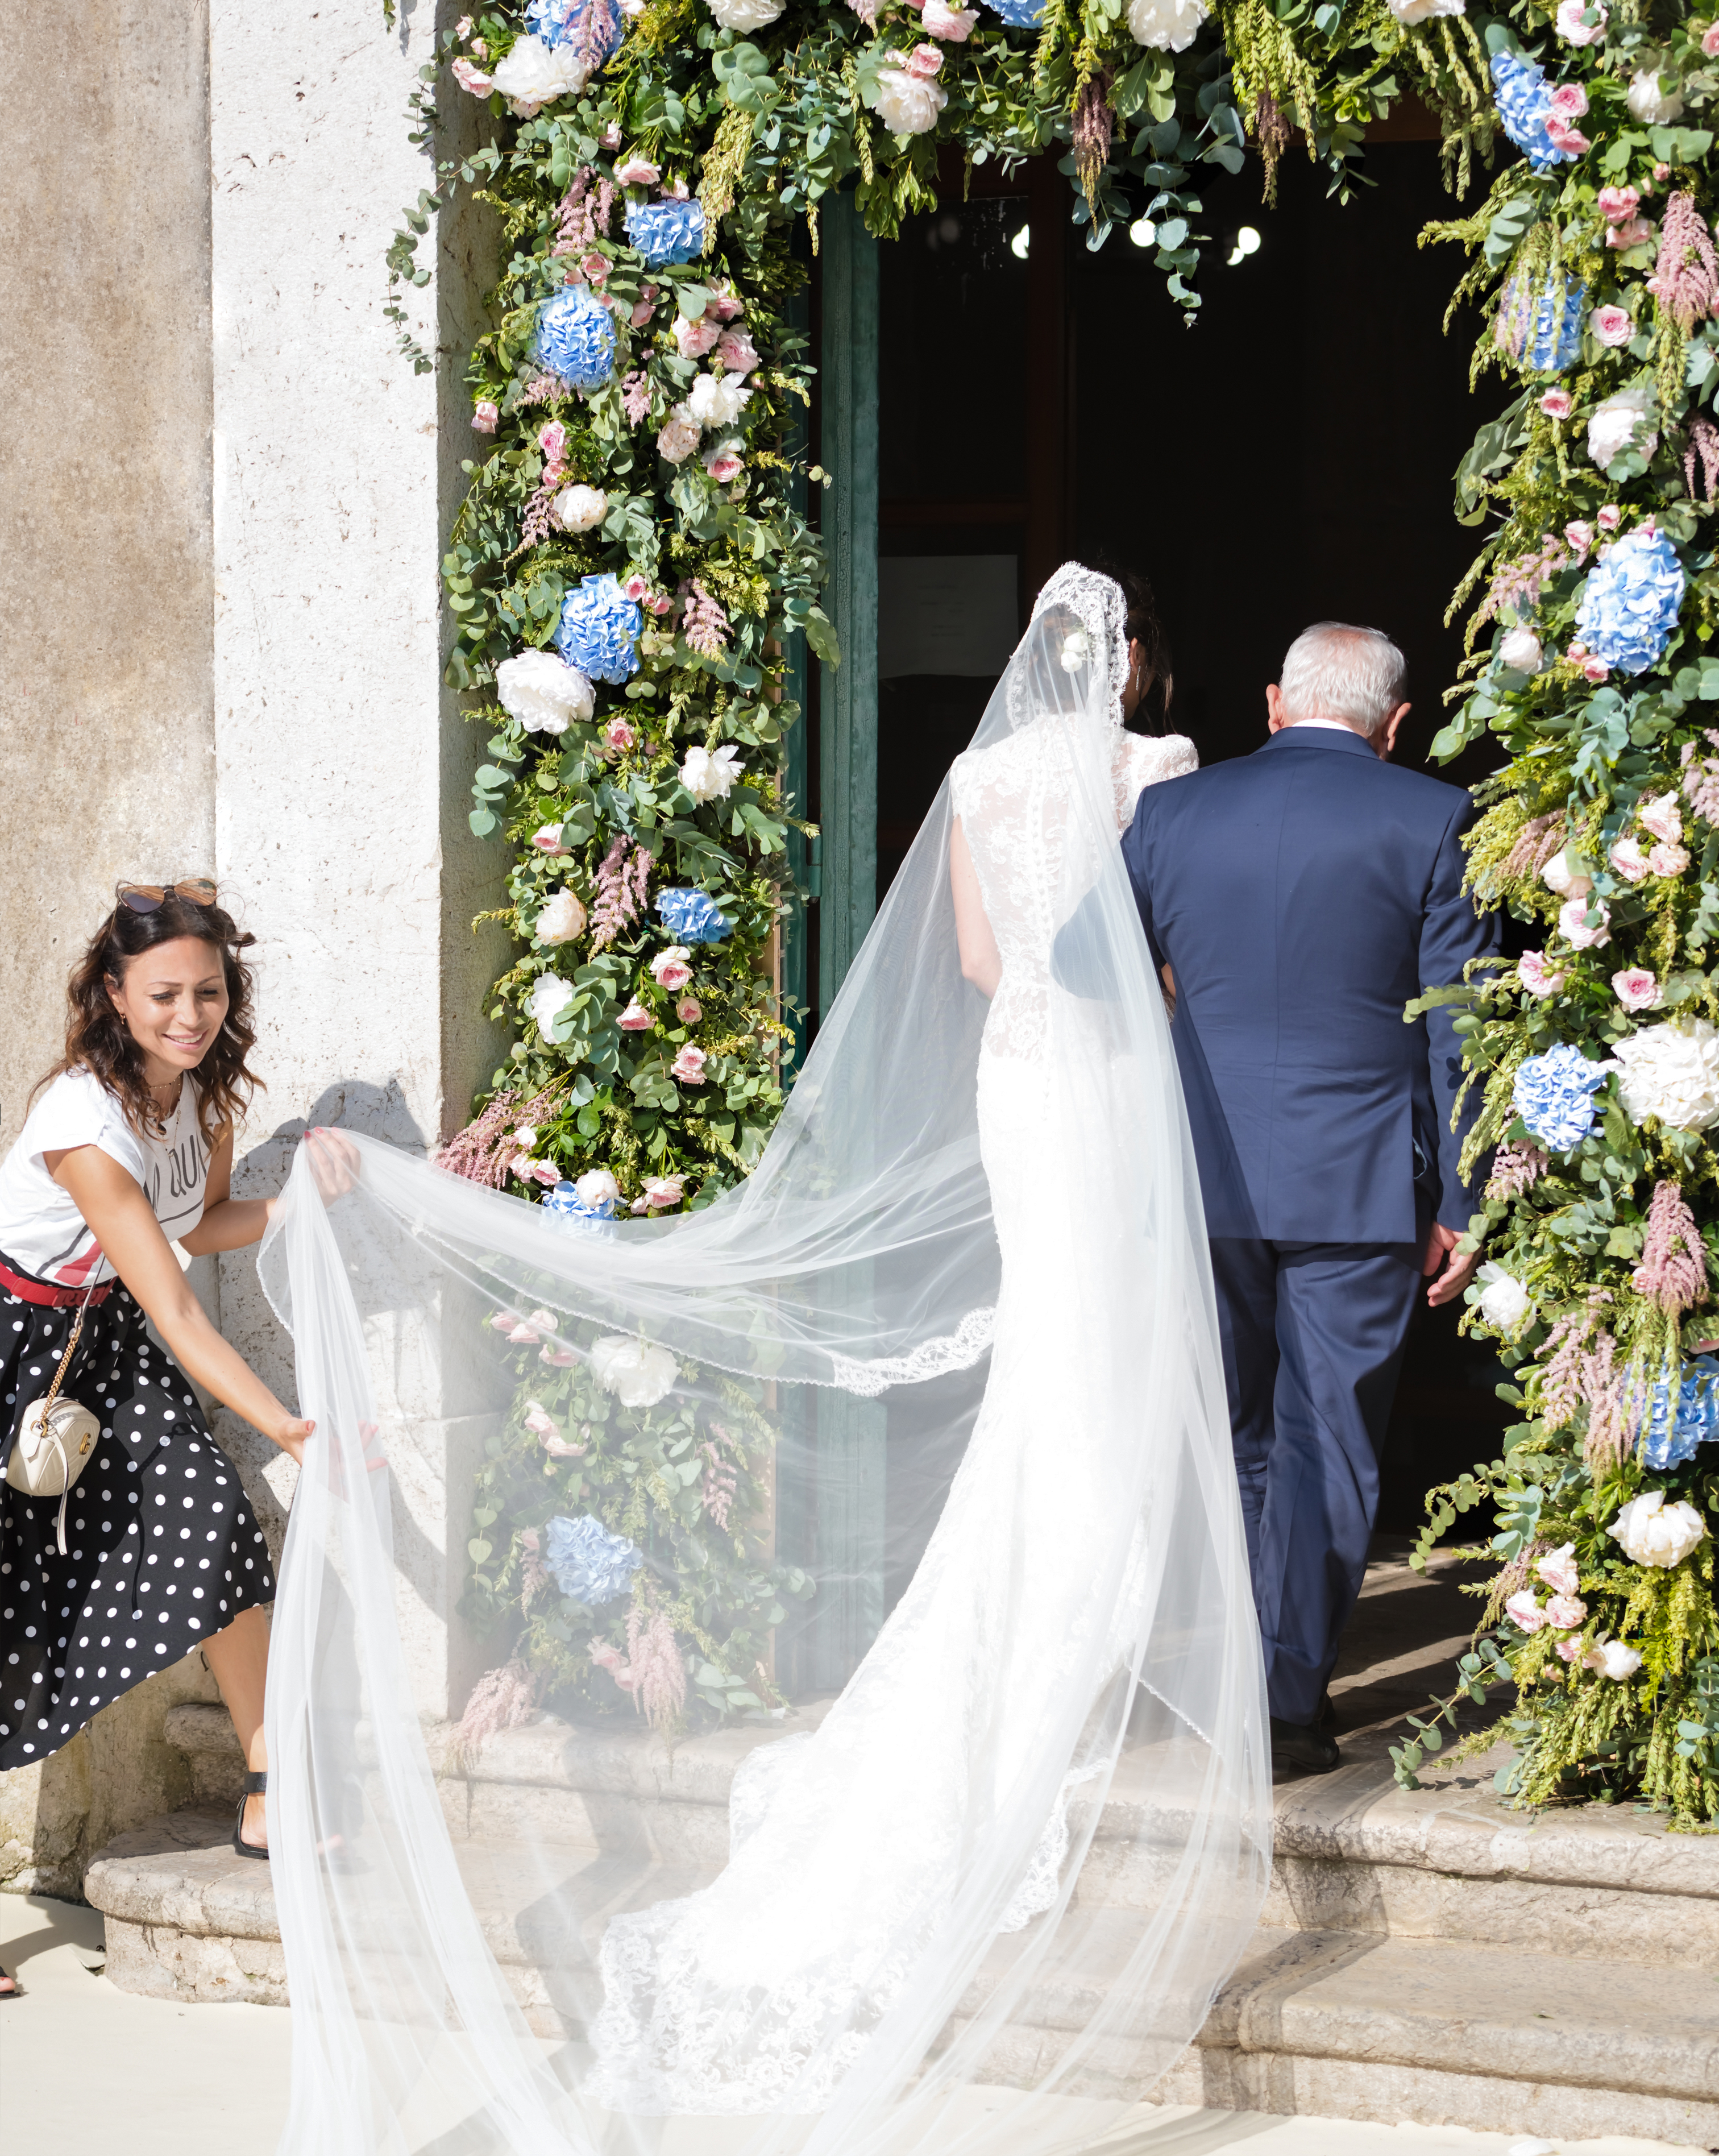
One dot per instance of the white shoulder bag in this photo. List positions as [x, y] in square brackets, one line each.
[56, 1438]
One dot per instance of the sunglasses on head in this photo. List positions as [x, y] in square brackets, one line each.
[149, 897]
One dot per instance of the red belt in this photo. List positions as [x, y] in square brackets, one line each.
[56, 1298]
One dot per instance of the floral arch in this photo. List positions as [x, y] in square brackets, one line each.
[635, 584]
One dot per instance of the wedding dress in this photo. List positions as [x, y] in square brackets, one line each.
[1000, 1199]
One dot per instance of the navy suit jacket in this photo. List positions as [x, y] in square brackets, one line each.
[1302, 895]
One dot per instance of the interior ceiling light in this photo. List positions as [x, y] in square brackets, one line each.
[1143, 232]
[1019, 245]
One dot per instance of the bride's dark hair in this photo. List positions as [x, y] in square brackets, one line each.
[97, 1038]
[1152, 714]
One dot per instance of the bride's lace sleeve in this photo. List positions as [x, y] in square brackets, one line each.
[1142, 760]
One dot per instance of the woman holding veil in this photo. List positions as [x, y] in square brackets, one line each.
[1025, 1845]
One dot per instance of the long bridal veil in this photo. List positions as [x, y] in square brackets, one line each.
[958, 1328]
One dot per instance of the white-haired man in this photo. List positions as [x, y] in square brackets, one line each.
[1300, 897]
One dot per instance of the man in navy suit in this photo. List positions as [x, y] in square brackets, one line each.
[1297, 898]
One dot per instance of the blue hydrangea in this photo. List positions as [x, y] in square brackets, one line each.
[575, 338]
[598, 630]
[1631, 601]
[568, 1211]
[1541, 325]
[1523, 96]
[692, 917]
[666, 233]
[1664, 1445]
[1018, 14]
[588, 1562]
[1554, 1094]
[560, 22]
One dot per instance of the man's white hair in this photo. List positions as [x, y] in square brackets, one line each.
[1335, 670]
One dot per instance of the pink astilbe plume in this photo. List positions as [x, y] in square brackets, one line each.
[500, 1699]
[1515, 1168]
[720, 1482]
[659, 1668]
[1700, 779]
[703, 623]
[1614, 1417]
[1094, 124]
[1703, 442]
[601, 28]
[1685, 279]
[1536, 844]
[1673, 1270]
[635, 396]
[542, 389]
[533, 1572]
[621, 883]
[483, 1150]
[1519, 583]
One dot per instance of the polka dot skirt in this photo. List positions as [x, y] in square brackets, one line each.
[162, 1552]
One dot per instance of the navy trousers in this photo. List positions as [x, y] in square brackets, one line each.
[1313, 1338]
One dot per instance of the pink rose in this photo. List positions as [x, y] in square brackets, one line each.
[954, 24]
[1594, 670]
[693, 340]
[636, 1018]
[670, 967]
[924, 61]
[723, 465]
[1662, 171]
[1710, 39]
[1571, 26]
[1611, 325]
[644, 307]
[485, 417]
[689, 1010]
[675, 191]
[540, 1171]
[638, 172]
[1632, 234]
[548, 841]
[523, 1336]
[1662, 816]
[540, 1422]
[636, 587]
[1562, 137]
[462, 28]
[595, 266]
[1666, 859]
[1573, 921]
[1637, 989]
[1557, 403]
[1618, 205]
[1581, 537]
[1569, 100]
[552, 440]
[503, 1321]
[723, 304]
[557, 1447]
[1524, 1610]
[1566, 1611]
[1570, 1650]
[472, 79]
[1557, 1569]
[735, 349]
[688, 1067]
[559, 1358]
[619, 736]
[662, 1190]
[658, 603]
[678, 438]
[611, 136]
[1626, 858]
[1537, 978]
[1610, 517]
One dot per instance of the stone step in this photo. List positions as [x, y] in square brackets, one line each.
[188, 1918]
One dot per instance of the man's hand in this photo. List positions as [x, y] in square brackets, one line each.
[1459, 1271]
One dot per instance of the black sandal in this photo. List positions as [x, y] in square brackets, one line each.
[255, 1786]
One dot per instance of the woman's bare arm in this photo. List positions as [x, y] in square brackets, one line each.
[980, 962]
[118, 1214]
[228, 1223]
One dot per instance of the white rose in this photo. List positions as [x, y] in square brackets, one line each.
[1671, 1070]
[717, 401]
[638, 1374]
[1650, 104]
[1558, 875]
[1505, 1302]
[678, 437]
[1521, 652]
[543, 692]
[561, 919]
[708, 776]
[1612, 1659]
[1409, 12]
[1619, 423]
[907, 103]
[1573, 30]
[549, 994]
[533, 75]
[1654, 1532]
[1171, 25]
[597, 1187]
[745, 15]
[1076, 650]
[580, 508]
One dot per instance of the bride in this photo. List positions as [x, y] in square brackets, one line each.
[1027, 1842]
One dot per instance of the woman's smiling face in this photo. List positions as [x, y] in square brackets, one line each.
[173, 999]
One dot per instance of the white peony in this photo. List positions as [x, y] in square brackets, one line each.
[1654, 1532]
[638, 1374]
[1171, 25]
[597, 1187]
[1505, 1302]
[1558, 875]
[908, 104]
[543, 692]
[746, 15]
[1620, 422]
[1650, 104]
[680, 435]
[580, 508]
[561, 919]
[1573, 30]
[1671, 1070]
[1409, 12]
[709, 775]
[550, 995]
[717, 400]
[1521, 652]
[1611, 1658]
[533, 75]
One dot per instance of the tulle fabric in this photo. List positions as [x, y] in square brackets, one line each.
[982, 1900]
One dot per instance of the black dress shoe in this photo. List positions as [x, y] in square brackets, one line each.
[1312, 1750]
[1328, 1714]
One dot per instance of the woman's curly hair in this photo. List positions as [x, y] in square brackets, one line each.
[97, 1038]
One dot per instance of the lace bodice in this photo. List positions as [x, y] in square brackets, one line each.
[1012, 800]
